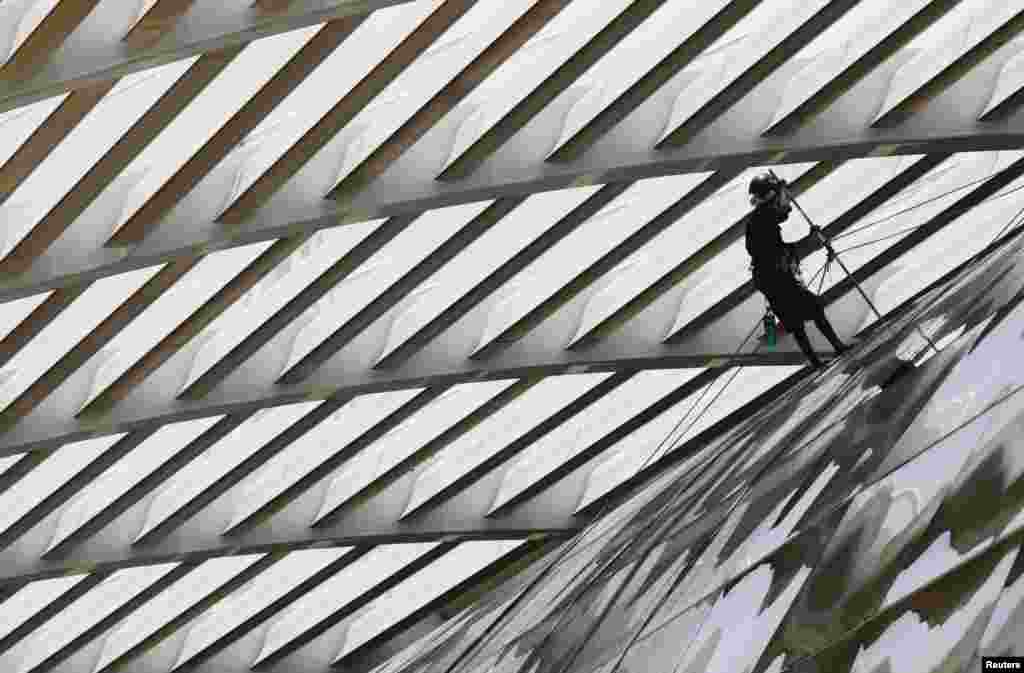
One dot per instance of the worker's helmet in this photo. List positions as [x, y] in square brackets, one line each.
[763, 185]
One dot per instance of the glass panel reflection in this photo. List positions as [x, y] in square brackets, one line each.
[820, 533]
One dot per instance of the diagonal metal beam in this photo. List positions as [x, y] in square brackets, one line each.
[72, 487]
[38, 320]
[757, 73]
[193, 612]
[304, 587]
[368, 88]
[489, 60]
[861, 67]
[192, 326]
[557, 82]
[158, 20]
[680, 57]
[51, 610]
[96, 53]
[523, 442]
[613, 437]
[692, 264]
[949, 75]
[265, 332]
[124, 151]
[256, 109]
[336, 460]
[496, 578]
[58, 125]
[430, 449]
[364, 599]
[91, 344]
[148, 484]
[843, 222]
[47, 37]
[387, 300]
[165, 582]
[244, 469]
[496, 279]
[609, 261]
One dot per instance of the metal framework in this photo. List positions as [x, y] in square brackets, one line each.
[432, 306]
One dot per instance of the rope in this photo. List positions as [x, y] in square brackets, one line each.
[571, 546]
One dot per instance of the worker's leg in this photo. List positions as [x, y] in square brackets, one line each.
[800, 334]
[821, 320]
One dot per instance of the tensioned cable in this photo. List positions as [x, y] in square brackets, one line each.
[913, 228]
[578, 538]
[933, 199]
[649, 547]
[918, 226]
[600, 514]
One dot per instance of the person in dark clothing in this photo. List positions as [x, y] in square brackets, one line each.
[775, 266]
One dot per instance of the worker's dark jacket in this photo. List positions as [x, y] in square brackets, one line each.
[771, 265]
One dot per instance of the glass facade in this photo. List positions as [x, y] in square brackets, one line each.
[862, 522]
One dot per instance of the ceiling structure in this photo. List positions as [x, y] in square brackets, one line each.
[320, 316]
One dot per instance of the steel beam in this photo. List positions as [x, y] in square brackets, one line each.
[949, 123]
[96, 49]
[343, 112]
[579, 63]
[125, 150]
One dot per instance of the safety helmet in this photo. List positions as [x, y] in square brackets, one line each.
[764, 184]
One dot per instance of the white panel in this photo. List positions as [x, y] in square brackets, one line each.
[513, 233]
[499, 430]
[81, 615]
[94, 136]
[313, 448]
[600, 234]
[572, 437]
[530, 66]
[637, 54]
[737, 51]
[847, 40]
[1011, 78]
[33, 13]
[50, 475]
[256, 595]
[32, 598]
[339, 591]
[272, 293]
[948, 39]
[212, 108]
[470, 35]
[126, 473]
[13, 312]
[405, 439]
[360, 288]
[186, 295]
[423, 587]
[74, 323]
[221, 458]
[152, 616]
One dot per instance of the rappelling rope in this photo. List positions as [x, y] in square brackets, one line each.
[602, 511]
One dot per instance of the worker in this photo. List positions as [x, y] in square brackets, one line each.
[775, 265]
